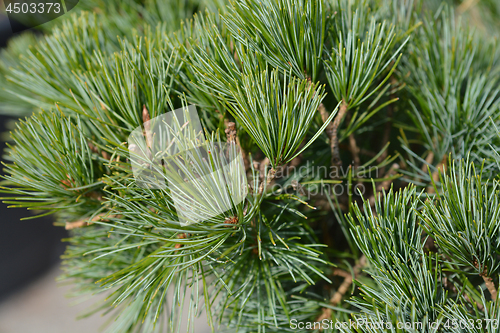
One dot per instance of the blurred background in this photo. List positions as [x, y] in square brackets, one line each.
[31, 301]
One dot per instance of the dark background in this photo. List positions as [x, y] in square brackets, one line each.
[27, 248]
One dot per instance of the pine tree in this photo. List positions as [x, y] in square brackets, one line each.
[369, 133]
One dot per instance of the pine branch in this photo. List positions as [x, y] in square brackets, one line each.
[232, 136]
[85, 222]
[336, 299]
[468, 198]
[353, 147]
[259, 71]
[269, 178]
[334, 140]
[294, 44]
[490, 285]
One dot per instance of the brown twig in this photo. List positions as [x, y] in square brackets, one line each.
[270, 176]
[334, 140]
[435, 174]
[428, 160]
[230, 131]
[180, 236]
[487, 280]
[231, 221]
[147, 126]
[92, 147]
[361, 150]
[105, 155]
[68, 183]
[232, 136]
[332, 130]
[353, 147]
[85, 222]
[490, 285]
[262, 165]
[76, 224]
[96, 150]
[343, 288]
[324, 116]
[385, 185]
[440, 167]
[96, 195]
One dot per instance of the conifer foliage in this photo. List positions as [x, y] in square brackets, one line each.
[369, 133]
